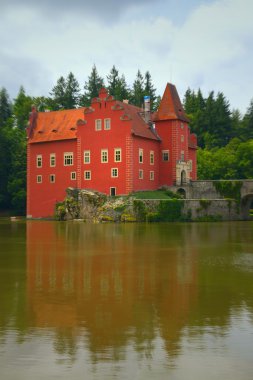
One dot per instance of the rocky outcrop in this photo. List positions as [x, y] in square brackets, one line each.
[92, 206]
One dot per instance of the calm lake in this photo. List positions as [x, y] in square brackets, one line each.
[126, 301]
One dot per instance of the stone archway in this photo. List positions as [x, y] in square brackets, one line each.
[183, 177]
[181, 192]
[246, 205]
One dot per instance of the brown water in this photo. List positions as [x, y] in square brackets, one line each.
[108, 301]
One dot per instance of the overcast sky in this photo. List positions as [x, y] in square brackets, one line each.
[202, 44]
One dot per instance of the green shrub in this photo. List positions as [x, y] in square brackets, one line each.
[120, 208]
[139, 210]
[229, 189]
[153, 217]
[170, 210]
[172, 195]
[60, 211]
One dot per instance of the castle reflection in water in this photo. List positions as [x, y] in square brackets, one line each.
[110, 286]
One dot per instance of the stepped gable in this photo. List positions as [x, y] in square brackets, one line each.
[139, 126]
[56, 125]
[170, 107]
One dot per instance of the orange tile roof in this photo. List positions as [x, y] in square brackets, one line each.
[55, 125]
[170, 107]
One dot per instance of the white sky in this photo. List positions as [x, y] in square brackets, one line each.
[202, 44]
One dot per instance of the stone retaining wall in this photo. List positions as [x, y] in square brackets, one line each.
[96, 207]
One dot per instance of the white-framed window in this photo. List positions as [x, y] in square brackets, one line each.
[87, 175]
[39, 178]
[165, 155]
[52, 178]
[98, 124]
[86, 157]
[107, 124]
[151, 175]
[182, 155]
[182, 138]
[73, 176]
[182, 126]
[141, 156]
[104, 155]
[190, 165]
[39, 160]
[52, 160]
[140, 174]
[68, 159]
[114, 172]
[117, 155]
[152, 157]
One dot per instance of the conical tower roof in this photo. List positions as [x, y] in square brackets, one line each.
[170, 107]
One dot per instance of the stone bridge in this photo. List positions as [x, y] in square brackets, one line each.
[239, 190]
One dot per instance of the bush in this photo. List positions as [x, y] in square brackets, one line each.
[60, 211]
[170, 210]
[139, 210]
[153, 217]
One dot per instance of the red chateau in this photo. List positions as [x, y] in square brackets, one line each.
[112, 147]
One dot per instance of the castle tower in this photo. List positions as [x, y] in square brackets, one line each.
[178, 146]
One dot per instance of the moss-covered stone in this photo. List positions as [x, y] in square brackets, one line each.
[128, 218]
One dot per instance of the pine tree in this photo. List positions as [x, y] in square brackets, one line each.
[138, 93]
[123, 91]
[113, 81]
[22, 108]
[248, 122]
[58, 94]
[72, 92]
[92, 87]
[222, 130]
[157, 103]
[189, 102]
[150, 90]
[236, 124]
[5, 107]
[195, 108]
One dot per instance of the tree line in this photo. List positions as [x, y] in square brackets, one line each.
[225, 137]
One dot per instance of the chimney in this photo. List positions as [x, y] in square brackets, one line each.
[147, 108]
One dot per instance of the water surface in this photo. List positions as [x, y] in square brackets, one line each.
[126, 301]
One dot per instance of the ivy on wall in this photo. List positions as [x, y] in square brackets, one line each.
[229, 189]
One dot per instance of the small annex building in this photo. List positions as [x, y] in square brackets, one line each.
[112, 147]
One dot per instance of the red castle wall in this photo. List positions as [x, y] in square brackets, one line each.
[74, 131]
